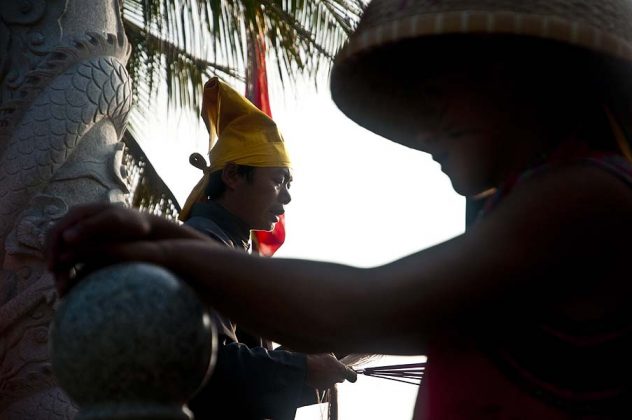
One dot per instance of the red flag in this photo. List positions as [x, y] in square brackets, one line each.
[265, 243]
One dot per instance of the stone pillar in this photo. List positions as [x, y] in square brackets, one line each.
[64, 99]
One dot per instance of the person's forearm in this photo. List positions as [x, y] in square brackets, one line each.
[305, 304]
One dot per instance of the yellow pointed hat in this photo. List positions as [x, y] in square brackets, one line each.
[239, 133]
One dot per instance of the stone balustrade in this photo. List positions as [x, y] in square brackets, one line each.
[131, 341]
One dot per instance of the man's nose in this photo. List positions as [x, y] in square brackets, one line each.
[285, 196]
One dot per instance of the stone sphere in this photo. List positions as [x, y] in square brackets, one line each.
[131, 341]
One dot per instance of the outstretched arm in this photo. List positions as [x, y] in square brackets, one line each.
[544, 227]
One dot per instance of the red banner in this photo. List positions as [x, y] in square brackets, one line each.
[265, 243]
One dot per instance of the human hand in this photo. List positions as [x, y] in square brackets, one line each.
[324, 371]
[98, 234]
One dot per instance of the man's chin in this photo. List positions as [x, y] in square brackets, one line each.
[266, 228]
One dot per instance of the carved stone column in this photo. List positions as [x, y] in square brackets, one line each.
[64, 99]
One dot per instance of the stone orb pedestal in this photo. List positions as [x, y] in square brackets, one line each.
[132, 341]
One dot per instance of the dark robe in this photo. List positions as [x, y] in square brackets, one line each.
[250, 381]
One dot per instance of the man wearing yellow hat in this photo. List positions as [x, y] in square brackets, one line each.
[244, 188]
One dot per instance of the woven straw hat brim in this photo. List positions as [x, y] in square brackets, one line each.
[602, 26]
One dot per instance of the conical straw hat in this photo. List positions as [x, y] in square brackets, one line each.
[393, 33]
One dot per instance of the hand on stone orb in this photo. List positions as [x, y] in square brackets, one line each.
[95, 235]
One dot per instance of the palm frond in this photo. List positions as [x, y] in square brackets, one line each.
[185, 41]
[184, 72]
[148, 192]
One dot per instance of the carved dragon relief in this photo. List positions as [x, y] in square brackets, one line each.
[29, 30]
[93, 92]
[62, 114]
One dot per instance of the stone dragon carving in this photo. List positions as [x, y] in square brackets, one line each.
[64, 101]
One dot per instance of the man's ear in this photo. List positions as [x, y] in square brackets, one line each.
[231, 176]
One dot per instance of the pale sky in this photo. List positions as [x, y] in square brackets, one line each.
[357, 199]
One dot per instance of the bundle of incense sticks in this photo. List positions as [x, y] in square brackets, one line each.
[408, 373]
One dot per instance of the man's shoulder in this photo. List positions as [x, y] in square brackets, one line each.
[210, 228]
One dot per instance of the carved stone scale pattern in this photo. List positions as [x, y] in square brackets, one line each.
[64, 100]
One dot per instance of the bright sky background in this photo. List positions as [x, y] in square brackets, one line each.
[357, 199]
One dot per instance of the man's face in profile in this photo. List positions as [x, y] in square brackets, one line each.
[262, 197]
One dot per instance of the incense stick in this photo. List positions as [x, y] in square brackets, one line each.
[411, 373]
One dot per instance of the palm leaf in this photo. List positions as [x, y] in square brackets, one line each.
[148, 192]
[184, 73]
[183, 42]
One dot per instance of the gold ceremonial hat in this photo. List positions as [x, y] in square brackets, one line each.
[238, 132]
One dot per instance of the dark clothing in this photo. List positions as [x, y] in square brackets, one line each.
[561, 363]
[218, 223]
[250, 381]
[583, 365]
